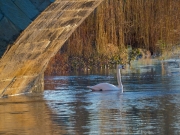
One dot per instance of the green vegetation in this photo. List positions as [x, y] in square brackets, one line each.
[104, 37]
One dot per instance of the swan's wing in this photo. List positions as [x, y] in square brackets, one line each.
[103, 86]
[95, 87]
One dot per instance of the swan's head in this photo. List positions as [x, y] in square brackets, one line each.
[120, 66]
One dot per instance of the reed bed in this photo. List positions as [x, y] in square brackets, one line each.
[104, 37]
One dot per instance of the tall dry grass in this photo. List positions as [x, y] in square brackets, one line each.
[153, 24]
[104, 36]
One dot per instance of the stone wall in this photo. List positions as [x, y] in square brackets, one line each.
[15, 16]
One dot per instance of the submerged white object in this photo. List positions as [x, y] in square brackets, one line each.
[108, 86]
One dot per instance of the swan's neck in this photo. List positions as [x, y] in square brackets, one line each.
[119, 79]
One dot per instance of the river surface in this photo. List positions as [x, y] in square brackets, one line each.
[150, 104]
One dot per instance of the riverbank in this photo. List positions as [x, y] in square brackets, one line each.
[61, 64]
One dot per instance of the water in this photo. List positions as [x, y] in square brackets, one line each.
[149, 104]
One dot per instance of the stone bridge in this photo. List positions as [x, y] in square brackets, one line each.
[23, 63]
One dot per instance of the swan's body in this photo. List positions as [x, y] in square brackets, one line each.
[104, 86]
[107, 86]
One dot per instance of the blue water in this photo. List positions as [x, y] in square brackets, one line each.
[149, 104]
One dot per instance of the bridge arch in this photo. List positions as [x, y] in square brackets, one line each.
[23, 65]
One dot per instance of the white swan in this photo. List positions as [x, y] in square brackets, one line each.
[107, 86]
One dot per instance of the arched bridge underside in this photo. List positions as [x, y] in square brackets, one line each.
[22, 66]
